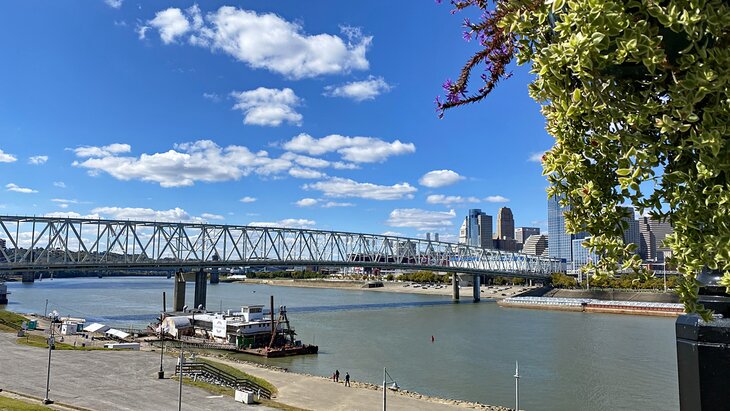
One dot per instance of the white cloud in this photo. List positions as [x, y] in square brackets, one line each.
[298, 172]
[36, 160]
[17, 189]
[342, 187]
[355, 149]
[114, 3]
[142, 32]
[536, 157]
[214, 97]
[359, 90]
[268, 106]
[64, 201]
[146, 214]
[104, 151]
[420, 219]
[7, 158]
[209, 216]
[171, 23]
[448, 200]
[496, 199]
[331, 204]
[306, 202]
[286, 223]
[266, 41]
[247, 199]
[393, 234]
[59, 184]
[202, 160]
[440, 178]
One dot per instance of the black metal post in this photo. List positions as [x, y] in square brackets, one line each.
[703, 350]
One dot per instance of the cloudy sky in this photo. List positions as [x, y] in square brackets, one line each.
[312, 114]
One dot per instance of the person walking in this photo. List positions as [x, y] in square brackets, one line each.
[337, 375]
[347, 379]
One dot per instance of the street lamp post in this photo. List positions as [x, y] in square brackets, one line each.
[387, 379]
[179, 395]
[517, 386]
[161, 373]
[51, 341]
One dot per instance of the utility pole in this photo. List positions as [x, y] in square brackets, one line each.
[384, 388]
[179, 395]
[517, 386]
[161, 373]
[51, 342]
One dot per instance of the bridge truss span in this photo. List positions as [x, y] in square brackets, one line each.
[50, 243]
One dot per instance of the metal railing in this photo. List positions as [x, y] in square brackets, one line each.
[225, 378]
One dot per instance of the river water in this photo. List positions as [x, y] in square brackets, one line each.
[568, 361]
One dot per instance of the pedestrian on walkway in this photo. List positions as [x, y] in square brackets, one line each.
[337, 375]
[347, 379]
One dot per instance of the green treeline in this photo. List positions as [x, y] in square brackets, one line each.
[625, 281]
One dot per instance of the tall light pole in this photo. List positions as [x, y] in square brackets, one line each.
[517, 386]
[179, 395]
[51, 341]
[387, 379]
[161, 373]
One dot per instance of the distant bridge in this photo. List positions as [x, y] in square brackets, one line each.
[51, 243]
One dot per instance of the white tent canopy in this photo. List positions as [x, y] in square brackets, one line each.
[96, 328]
[112, 332]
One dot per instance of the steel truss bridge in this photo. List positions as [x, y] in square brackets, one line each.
[49, 243]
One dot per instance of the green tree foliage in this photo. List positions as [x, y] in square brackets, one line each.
[635, 93]
[425, 277]
[297, 275]
[560, 280]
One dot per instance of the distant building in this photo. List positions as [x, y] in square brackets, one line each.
[2, 243]
[653, 233]
[632, 234]
[561, 242]
[536, 244]
[505, 224]
[523, 233]
[476, 229]
[435, 237]
[581, 255]
[506, 244]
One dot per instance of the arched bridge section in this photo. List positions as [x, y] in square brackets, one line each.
[49, 243]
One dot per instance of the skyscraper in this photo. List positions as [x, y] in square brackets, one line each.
[632, 234]
[536, 244]
[561, 243]
[653, 233]
[505, 224]
[523, 233]
[476, 229]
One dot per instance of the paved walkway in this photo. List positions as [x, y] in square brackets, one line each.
[102, 380]
[317, 393]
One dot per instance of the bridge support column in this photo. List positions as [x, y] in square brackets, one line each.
[178, 296]
[215, 276]
[454, 287]
[29, 277]
[201, 288]
[477, 287]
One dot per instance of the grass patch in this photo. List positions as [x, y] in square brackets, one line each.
[221, 390]
[11, 404]
[41, 341]
[10, 322]
[240, 374]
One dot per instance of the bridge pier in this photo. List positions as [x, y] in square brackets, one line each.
[476, 287]
[215, 276]
[28, 277]
[178, 296]
[201, 288]
[454, 287]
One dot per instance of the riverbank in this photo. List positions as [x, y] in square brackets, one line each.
[123, 380]
[495, 292]
[595, 306]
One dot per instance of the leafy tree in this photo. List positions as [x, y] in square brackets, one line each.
[635, 93]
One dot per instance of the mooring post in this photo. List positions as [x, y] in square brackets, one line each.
[476, 287]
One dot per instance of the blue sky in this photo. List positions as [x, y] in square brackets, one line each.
[316, 114]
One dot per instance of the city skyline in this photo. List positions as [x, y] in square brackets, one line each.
[157, 119]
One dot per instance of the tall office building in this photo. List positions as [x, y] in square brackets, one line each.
[523, 233]
[633, 233]
[505, 224]
[581, 255]
[476, 229]
[653, 233]
[536, 244]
